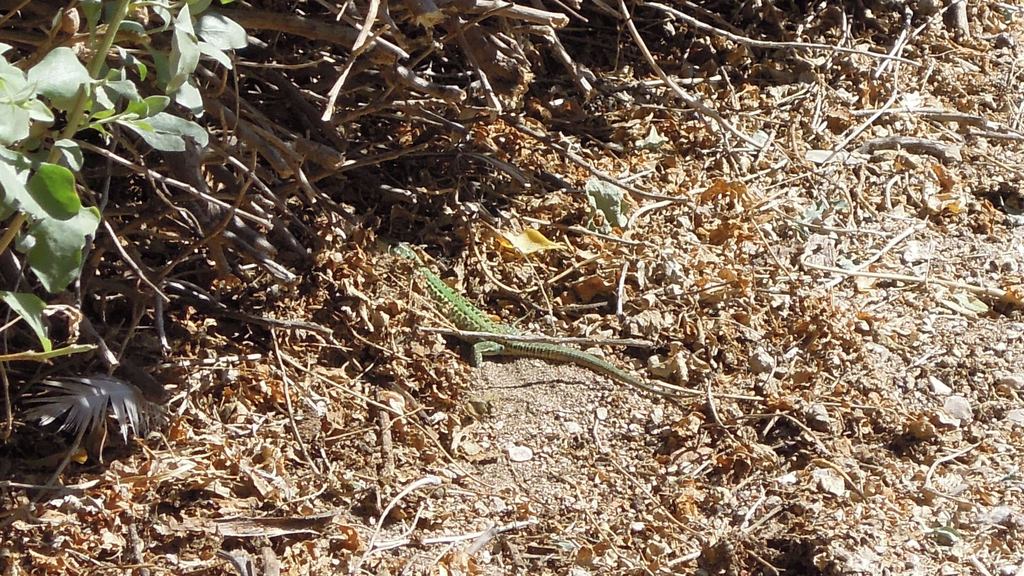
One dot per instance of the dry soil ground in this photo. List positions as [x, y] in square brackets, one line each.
[852, 327]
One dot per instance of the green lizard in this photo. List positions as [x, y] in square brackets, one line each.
[466, 316]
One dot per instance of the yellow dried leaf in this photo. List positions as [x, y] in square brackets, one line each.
[529, 241]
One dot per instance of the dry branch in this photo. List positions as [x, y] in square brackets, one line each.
[772, 44]
[519, 12]
[313, 29]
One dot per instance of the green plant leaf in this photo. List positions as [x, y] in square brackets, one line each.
[38, 111]
[111, 91]
[184, 50]
[211, 51]
[15, 195]
[164, 131]
[16, 160]
[59, 76]
[176, 125]
[133, 28]
[16, 87]
[15, 125]
[17, 104]
[190, 97]
[55, 254]
[148, 107]
[92, 9]
[70, 154]
[161, 65]
[30, 308]
[102, 115]
[164, 14]
[129, 59]
[221, 32]
[198, 6]
[44, 356]
[53, 188]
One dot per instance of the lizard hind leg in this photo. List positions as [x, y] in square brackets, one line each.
[484, 348]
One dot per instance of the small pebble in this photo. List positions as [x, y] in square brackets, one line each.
[829, 482]
[520, 453]
[657, 415]
[572, 427]
[939, 388]
[817, 418]
[1016, 416]
[1009, 570]
[761, 362]
[959, 407]
[996, 515]
[1014, 381]
[657, 549]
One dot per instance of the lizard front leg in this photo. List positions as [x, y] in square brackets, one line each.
[484, 348]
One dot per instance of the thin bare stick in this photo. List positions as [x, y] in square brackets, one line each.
[690, 101]
[940, 150]
[288, 405]
[172, 182]
[947, 458]
[583, 231]
[345, 389]
[485, 82]
[105, 353]
[628, 342]
[488, 534]
[371, 543]
[864, 126]
[13, 10]
[995, 293]
[15, 514]
[449, 93]
[579, 161]
[358, 47]
[580, 75]
[8, 413]
[217, 230]
[620, 291]
[312, 28]
[131, 263]
[874, 258]
[807, 46]
[996, 135]
[524, 13]
[897, 49]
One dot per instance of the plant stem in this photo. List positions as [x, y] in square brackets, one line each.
[95, 66]
[100, 56]
[12, 230]
[77, 111]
